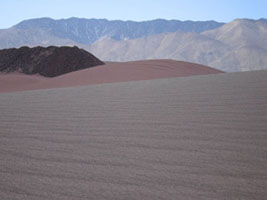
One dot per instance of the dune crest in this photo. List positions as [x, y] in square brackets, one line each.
[108, 73]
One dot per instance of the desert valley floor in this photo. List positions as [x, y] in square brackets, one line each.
[199, 137]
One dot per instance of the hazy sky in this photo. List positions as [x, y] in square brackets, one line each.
[14, 11]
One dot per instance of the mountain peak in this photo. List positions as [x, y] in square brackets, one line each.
[44, 22]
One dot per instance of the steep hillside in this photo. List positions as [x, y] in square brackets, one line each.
[15, 38]
[241, 32]
[180, 46]
[238, 46]
[77, 31]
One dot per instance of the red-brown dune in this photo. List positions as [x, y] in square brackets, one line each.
[19, 82]
[108, 73]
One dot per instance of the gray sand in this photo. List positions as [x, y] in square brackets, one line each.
[201, 137]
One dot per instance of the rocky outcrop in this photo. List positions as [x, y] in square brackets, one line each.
[50, 61]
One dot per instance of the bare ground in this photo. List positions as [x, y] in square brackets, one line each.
[201, 137]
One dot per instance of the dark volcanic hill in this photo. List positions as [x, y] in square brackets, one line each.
[50, 62]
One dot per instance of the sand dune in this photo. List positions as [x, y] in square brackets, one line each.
[19, 82]
[109, 73]
[199, 137]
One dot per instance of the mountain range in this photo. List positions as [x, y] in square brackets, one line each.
[240, 45]
[87, 31]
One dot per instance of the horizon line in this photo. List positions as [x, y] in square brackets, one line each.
[129, 20]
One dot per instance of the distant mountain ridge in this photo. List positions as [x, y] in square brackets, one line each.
[240, 45]
[87, 31]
